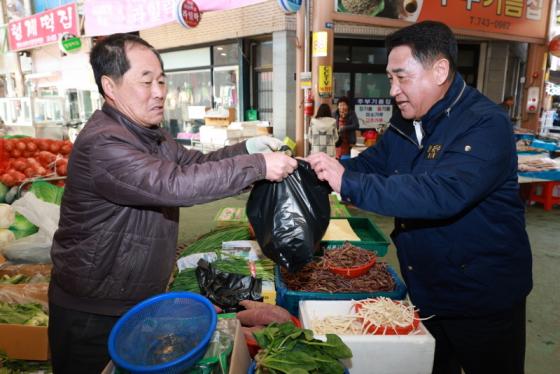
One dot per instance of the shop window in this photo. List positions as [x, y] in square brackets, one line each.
[186, 92]
[342, 53]
[262, 91]
[371, 85]
[226, 54]
[342, 86]
[368, 55]
[264, 95]
[225, 87]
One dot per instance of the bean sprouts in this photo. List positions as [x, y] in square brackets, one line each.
[370, 316]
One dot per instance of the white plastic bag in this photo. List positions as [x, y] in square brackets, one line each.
[34, 248]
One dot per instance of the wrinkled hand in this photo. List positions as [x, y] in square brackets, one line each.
[278, 166]
[327, 169]
[263, 144]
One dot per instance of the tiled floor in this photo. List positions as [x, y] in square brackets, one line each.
[543, 306]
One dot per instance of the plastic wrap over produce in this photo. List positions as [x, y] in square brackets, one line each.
[290, 217]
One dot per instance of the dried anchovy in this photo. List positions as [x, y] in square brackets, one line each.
[313, 277]
[347, 256]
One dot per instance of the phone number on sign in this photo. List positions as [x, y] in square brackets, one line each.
[487, 22]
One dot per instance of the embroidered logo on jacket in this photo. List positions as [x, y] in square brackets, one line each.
[433, 151]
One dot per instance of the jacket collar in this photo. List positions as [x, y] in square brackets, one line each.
[152, 133]
[442, 107]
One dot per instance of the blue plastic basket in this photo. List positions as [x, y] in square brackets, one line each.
[167, 333]
[289, 299]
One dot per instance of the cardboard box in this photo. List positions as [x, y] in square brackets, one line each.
[24, 342]
[220, 117]
[386, 354]
[239, 360]
[19, 341]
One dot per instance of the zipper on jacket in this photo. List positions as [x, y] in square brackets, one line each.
[420, 146]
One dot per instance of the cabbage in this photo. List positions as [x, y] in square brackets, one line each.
[22, 227]
[47, 192]
[22, 224]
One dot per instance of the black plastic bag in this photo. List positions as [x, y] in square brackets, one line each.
[226, 290]
[290, 217]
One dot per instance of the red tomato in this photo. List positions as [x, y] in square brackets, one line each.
[18, 176]
[62, 167]
[9, 145]
[43, 144]
[29, 172]
[65, 149]
[19, 165]
[20, 145]
[7, 179]
[41, 170]
[16, 153]
[31, 147]
[45, 158]
[54, 147]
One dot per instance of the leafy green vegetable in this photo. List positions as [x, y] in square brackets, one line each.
[9, 366]
[186, 281]
[212, 241]
[288, 349]
[23, 314]
[14, 279]
[264, 269]
[22, 224]
[47, 192]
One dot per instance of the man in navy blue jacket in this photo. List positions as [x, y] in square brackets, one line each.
[446, 169]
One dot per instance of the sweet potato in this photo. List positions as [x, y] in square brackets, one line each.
[263, 315]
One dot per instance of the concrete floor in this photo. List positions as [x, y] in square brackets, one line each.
[543, 305]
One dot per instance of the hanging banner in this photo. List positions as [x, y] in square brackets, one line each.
[43, 28]
[524, 18]
[104, 17]
[373, 113]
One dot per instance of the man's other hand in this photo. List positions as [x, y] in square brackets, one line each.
[279, 166]
[327, 169]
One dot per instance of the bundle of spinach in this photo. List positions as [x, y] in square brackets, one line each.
[286, 348]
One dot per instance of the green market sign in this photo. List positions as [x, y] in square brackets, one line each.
[69, 43]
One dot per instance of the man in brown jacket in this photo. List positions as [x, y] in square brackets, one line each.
[127, 178]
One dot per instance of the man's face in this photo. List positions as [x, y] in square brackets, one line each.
[140, 93]
[414, 88]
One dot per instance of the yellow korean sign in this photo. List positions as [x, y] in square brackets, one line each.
[320, 44]
[325, 80]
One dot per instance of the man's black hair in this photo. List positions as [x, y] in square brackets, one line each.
[108, 56]
[429, 41]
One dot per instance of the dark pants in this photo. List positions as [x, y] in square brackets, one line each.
[78, 340]
[490, 344]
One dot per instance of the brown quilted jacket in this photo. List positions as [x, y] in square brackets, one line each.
[115, 245]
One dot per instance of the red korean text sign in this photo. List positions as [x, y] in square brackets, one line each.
[521, 18]
[43, 28]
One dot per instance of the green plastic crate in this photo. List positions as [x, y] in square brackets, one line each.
[372, 238]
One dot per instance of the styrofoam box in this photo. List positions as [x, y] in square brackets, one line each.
[372, 354]
[218, 135]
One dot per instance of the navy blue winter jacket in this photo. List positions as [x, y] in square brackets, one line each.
[459, 226]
